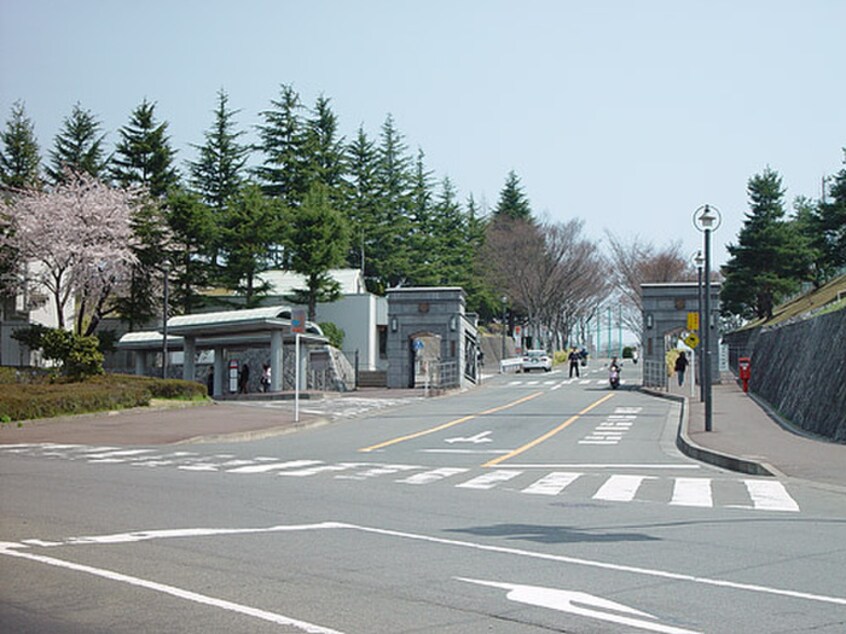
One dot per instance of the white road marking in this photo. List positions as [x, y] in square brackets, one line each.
[179, 593]
[273, 466]
[770, 495]
[433, 476]
[692, 492]
[589, 606]
[620, 488]
[489, 480]
[552, 484]
[481, 437]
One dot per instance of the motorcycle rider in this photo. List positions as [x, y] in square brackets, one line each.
[614, 369]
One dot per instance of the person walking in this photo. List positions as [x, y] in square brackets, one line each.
[681, 366]
[574, 362]
[244, 379]
[265, 377]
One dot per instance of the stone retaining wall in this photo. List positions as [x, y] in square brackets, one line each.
[800, 370]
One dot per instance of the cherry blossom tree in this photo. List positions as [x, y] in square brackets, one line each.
[74, 240]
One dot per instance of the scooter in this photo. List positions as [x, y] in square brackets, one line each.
[614, 376]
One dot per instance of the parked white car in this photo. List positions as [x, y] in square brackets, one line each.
[536, 360]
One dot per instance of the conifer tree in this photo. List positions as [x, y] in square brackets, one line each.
[390, 257]
[20, 160]
[78, 147]
[143, 155]
[324, 150]
[220, 168]
[513, 203]
[362, 199]
[284, 171]
[770, 258]
[194, 230]
[831, 222]
[250, 232]
[317, 237]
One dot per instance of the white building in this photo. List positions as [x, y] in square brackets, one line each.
[361, 315]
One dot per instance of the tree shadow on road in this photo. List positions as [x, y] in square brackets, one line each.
[545, 534]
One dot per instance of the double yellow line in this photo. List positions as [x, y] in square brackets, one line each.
[547, 435]
[452, 423]
[494, 410]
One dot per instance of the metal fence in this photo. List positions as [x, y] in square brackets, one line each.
[654, 374]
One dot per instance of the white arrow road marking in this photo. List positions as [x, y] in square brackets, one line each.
[478, 438]
[566, 600]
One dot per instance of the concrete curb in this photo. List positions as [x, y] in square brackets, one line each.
[710, 456]
[257, 434]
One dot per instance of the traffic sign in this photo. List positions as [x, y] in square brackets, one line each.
[692, 340]
[298, 320]
[418, 344]
[693, 321]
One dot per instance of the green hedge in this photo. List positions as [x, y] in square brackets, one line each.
[24, 401]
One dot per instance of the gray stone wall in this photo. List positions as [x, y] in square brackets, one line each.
[800, 370]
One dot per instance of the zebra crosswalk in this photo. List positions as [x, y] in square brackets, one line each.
[555, 384]
[703, 492]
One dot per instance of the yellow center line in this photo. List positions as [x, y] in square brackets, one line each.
[457, 421]
[547, 435]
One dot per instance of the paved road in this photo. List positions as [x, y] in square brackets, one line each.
[517, 507]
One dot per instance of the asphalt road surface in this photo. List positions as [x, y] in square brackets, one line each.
[532, 504]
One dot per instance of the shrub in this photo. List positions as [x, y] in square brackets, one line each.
[334, 334]
[21, 401]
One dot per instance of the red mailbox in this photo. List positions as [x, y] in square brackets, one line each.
[744, 365]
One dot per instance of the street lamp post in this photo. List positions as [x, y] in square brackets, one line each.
[165, 274]
[707, 219]
[699, 261]
[504, 301]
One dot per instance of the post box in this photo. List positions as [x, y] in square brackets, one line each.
[744, 365]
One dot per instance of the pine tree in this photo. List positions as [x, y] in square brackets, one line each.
[390, 257]
[831, 222]
[318, 242]
[324, 150]
[250, 232]
[219, 171]
[513, 203]
[194, 229]
[424, 238]
[284, 171]
[770, 259]
[20, 160]
[143, 155]
[362, 200]
[78, 147]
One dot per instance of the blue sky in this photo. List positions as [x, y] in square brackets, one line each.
[628, 115]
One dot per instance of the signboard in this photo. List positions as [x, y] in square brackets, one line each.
[693, 321]
[692, 340]
[233, 375]
[298, 320]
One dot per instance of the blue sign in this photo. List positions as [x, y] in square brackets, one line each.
[417, 345]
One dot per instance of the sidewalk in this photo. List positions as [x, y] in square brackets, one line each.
[222, 420]
[744, 437]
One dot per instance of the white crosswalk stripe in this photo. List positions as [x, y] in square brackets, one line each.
[428, 477]
[489, 480]
[770, 495]
[552, 484]
[692, 492]
[742, 493]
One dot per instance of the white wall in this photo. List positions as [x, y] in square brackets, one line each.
[356, 315]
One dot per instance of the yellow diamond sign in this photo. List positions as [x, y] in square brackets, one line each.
[692, 340]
